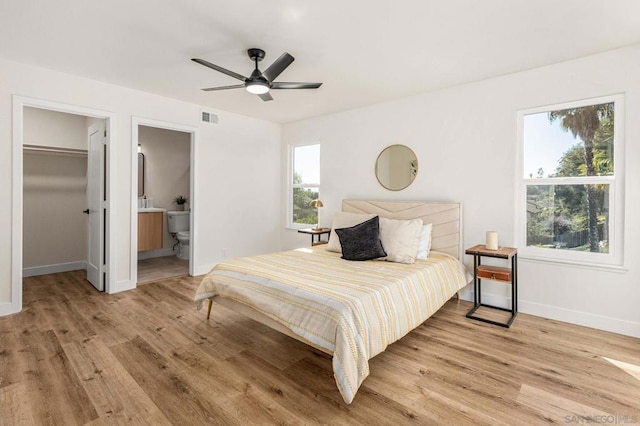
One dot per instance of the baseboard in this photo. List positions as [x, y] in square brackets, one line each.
[488, 298]
[53, 269]
[155, 253]
[599, 322]
[467, 293]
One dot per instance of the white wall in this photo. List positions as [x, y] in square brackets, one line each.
[54, 237]
[52, 128]
[55, 229]
[465, 140]
[237, 169]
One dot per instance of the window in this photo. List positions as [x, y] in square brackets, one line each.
[304, 186]
[571, 198]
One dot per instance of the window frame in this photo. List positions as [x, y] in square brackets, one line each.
[291, 186]
[615, 258]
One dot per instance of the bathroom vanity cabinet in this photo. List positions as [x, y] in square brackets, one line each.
[150, 231]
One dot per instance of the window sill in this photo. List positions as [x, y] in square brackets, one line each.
[620, 269]
[297, 227]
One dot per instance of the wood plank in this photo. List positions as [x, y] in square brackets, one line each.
[11, 361]
[502, 252]
[16, 405]
[55, 390]
[66, 321]
[159, 268]
[297, 394]
[250, 404]
[317, 374]
[113, 392]
[555, 406]
[579, 376]
[169, 391]
[77, 356]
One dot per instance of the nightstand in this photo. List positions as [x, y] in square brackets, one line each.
[494, 273]
[316, 232]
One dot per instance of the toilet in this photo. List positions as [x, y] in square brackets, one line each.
[178, 226]
[183, 247]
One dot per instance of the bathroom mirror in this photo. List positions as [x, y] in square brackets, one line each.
[396, 167]
[140, 174]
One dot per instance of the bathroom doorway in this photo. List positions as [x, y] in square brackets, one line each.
[164, 199]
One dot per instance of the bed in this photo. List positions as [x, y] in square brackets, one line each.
[349, 310]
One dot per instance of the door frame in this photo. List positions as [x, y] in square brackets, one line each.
[19, 102]
[193, 132]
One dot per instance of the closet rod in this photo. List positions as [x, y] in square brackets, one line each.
[52, 149]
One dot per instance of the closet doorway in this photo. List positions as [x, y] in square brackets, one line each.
[61, 215]
[162, 213]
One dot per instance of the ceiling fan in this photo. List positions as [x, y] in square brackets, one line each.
[259, 83]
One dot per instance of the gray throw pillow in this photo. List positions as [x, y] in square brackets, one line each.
[362, 241]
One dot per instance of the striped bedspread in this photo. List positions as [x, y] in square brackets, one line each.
[351, 309]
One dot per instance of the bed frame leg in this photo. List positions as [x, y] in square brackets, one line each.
[209, 308]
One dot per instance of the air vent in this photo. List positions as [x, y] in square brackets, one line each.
[209, 117]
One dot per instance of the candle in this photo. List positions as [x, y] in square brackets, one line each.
[492, 240]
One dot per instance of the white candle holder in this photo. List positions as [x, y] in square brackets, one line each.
[492, 240]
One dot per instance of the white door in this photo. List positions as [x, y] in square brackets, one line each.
[96, 205]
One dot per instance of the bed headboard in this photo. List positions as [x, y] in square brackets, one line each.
[446, 218]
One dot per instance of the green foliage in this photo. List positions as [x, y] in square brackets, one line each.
[583, 122]
[180, 199]
[603, 148]
[302, 212]
[561, 213]
[573, 163]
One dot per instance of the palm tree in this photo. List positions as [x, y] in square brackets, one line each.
[584, 122]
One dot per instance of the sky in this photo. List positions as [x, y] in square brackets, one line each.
[307, 163]
[544, 144]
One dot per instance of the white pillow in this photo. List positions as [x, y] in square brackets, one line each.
[400, 239]
[344, 220]
[424, 244]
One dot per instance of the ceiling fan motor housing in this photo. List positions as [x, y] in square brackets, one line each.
[256, 54]
[256, 75]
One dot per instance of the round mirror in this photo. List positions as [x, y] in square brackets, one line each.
[396, 167]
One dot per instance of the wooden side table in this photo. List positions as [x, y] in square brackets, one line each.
[319, 232]
[494, 273]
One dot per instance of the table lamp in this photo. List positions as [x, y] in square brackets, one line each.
[317, 204]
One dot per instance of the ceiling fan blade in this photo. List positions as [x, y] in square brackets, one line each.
[289, 85]
[266, 97]
[276, 68]
[219, 69]
[235, 86]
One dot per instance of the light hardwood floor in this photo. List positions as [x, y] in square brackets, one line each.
[159, 268]
[75, 356]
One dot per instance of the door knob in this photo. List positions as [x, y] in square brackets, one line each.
[86, 211]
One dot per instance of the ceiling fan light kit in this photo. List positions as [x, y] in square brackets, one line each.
[259, 83]
[257, 87]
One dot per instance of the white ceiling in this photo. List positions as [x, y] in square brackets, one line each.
[364, 51]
